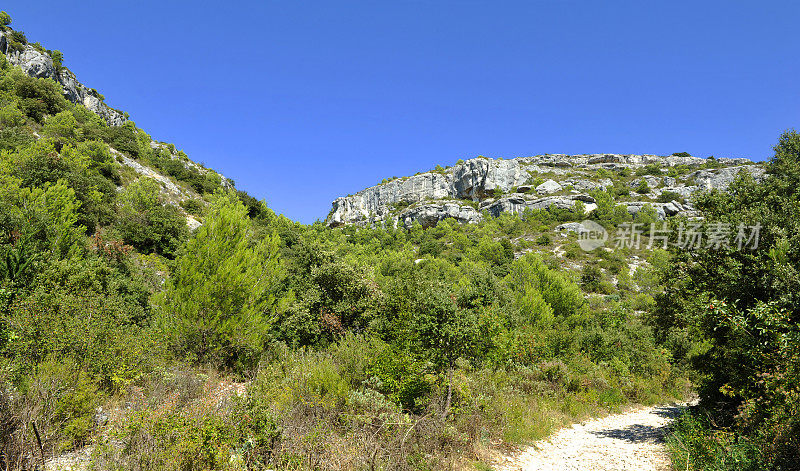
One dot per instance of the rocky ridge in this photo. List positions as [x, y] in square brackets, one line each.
[40, 65]
[481, 185]
[35, 63]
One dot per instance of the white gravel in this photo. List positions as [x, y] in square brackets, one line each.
[629, 441]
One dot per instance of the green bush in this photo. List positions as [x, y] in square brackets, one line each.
[544, 240]
[145, 220]
[37, 97]
[668, 196]
[591, 277]
[56, 403]
[193, 206]
[650, 169]
[402, 378]
[695, 444]
[19, 37]
[732, 315]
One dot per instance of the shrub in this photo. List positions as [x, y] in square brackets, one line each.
[695, 444]
[11, 116]
[544, 240]
[591, 277]
[82, 311]
[38, 97]
[561, 294]
[56, 404]
[192, 206]
[19, 37]
[123, 139]
[402, 378]
[145, 221]
[650, 169]
[732, 315]
[172, 440]
[668, 196]
[58, 60]
[63, 127]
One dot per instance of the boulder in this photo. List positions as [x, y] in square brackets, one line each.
[575, 227]
[548, 187]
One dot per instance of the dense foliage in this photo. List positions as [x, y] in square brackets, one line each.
[733, 315]
[419, 345]
[360, 347]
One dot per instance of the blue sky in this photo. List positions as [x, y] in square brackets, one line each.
[303, 101]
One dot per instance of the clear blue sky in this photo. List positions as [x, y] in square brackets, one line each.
[300, 102]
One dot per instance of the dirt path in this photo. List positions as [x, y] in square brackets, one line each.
[629, 441]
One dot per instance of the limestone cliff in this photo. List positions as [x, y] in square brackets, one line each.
[470, 187]
[40, 65]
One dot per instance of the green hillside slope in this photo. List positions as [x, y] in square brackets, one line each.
[152, 317]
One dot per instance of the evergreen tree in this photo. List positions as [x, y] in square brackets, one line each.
[222, 298]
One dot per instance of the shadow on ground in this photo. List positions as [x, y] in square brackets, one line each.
[643, 433]
[669, 412]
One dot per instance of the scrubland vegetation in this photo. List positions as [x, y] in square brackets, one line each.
[732, 317]
[254, 342]
[357, 348]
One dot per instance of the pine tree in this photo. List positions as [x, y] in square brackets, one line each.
[222, 298]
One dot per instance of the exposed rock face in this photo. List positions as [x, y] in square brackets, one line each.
[428, 197]
[662, 209]
[33, 62]
[40, 65]
[650, 180]
[111, 116]
[518, 203]
[375, 203]
[479, 178]
[720, 178]
[430, 214]
[588, 185]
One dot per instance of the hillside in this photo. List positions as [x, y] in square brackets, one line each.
[153, 317]
[464, 191]
[182, 181]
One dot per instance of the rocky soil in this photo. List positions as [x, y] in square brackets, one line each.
[629, 441]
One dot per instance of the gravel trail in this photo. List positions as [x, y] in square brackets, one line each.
[629, 441]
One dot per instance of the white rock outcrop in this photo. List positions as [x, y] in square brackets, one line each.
[430, 214]
[38, 64]
[429, 196]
